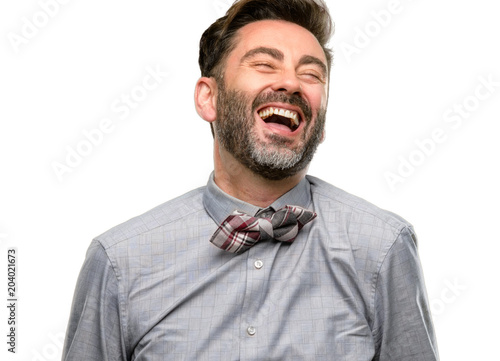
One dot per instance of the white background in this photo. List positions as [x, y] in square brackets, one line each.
[407, 72]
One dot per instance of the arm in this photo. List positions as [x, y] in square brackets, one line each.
[403, 328]
[95, 326]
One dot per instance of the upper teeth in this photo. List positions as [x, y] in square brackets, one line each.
[292, 115]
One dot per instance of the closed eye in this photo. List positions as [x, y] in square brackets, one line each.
[264, 66]
[314, 76]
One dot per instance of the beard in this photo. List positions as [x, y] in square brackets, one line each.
[274, 159]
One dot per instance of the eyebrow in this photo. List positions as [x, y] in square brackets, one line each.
[309, 59]
[275, 53]
[278, 55]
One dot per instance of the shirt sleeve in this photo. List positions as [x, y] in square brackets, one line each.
[95, 329]
[403, 327]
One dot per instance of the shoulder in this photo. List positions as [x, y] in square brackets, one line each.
[331, 199]
[365, 235]
[164, 214]
[351, 223]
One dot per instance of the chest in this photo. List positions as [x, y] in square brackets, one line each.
[273, 302]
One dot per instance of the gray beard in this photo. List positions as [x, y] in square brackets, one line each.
[276, 156]
[274, 160]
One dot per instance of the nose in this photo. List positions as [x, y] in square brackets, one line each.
[288, 83]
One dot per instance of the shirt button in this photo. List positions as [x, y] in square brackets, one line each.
[251, 330]
[258, 264]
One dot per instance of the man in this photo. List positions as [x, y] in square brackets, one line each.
[321, 274]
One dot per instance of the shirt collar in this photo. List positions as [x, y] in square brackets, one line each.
[219, 204]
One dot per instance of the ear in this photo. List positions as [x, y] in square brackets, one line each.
[323, 136]
[205, 98]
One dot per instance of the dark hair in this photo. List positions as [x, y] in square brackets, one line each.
[218, 40]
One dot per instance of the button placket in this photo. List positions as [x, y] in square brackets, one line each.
[257, 274]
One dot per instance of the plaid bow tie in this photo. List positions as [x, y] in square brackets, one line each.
[240, 231]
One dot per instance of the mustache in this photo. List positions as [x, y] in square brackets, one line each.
[281, 97]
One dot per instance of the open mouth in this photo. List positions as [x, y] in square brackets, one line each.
[286, 117]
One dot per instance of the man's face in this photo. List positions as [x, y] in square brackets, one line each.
[271, 103]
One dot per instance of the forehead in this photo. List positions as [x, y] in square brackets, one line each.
[291, 39]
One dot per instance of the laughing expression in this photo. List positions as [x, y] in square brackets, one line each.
[271, 105]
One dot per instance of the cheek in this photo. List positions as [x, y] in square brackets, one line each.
[324, 97]
[318, 98]
[252, 84]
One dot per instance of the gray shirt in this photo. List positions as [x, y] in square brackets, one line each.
[350, 287]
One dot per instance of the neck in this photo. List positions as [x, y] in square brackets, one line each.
[240, 182]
